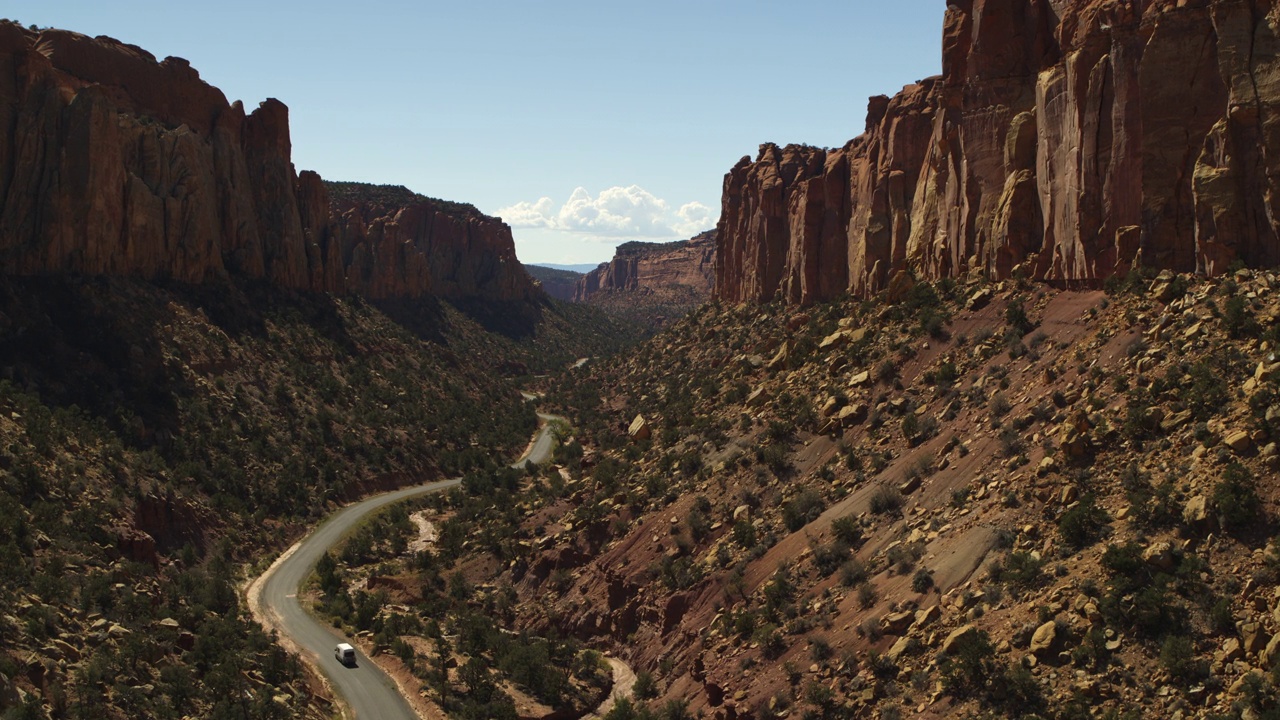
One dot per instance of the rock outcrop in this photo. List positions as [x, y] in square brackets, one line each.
[1068, 141]
[112, 163]
[682, 271]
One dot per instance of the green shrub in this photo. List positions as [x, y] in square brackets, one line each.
[852, 573]
[886, 500]
[1235, 498]
[803, 509]
[970, 666]
[922, 581]
[646, 686]
[1081, 525]
[867, 595]
[1237, 318]
[1021, 570]
[847, 530]
[828, 558]
[1177, 655]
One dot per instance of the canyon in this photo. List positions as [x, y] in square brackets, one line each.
[1064, 141]
[114, 164]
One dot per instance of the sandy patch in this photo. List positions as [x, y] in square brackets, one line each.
[427, 533]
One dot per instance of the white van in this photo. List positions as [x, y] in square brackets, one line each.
[345, 654]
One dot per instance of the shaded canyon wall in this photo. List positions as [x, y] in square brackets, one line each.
[112, 163]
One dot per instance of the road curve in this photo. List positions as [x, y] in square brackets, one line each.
[367, 692]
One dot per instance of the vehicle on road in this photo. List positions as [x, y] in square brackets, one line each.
[345, 654]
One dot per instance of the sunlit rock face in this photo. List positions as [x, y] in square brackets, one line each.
[1065, 140]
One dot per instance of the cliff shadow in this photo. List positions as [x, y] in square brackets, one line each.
[227, 305]
[241, 309]
[424, 317]
[514, 319]
[92, 346]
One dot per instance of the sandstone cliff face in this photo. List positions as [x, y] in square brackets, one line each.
[1066, 139]
[681, 270]
[113, 163]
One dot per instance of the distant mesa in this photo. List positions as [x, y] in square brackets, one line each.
[112, 163]
[1065, 145]
[682, 268]
[663, 280]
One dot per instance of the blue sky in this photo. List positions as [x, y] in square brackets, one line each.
[584, 124]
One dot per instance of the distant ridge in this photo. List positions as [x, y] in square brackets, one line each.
[581, 268]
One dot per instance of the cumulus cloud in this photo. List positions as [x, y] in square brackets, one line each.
[618, 212]
[529, 214]
[694, 218]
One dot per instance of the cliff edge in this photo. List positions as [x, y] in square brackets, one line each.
[114, 163]
[1069, 141]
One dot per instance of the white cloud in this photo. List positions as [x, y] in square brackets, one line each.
[694, 218]
[528, 214]
[616, 213]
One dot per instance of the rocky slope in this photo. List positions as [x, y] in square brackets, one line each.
[1067, 141]
[979, 501]
[112, 163]
[156, 438]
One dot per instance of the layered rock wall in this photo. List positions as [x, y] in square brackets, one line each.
[113, 163]
[681, 270]
[1069, 140]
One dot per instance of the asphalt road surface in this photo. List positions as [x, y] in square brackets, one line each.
[368, 693]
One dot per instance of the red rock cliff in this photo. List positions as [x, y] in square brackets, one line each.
[114, 163]
[681, 271]
[1068, 139]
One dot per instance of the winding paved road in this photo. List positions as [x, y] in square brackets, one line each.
[368, 693]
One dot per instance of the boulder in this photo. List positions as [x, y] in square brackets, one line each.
[1271, 653]
[1160, 555]
[897, 623]
[851, 415]
[955, 636]
[1253, 638]
[1042, 641]
[979, 299]
[758, 397]
[898, 649]
[926, 617]
[1196, 512]
[835, 340]
[1239, 441]
[639, 430]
